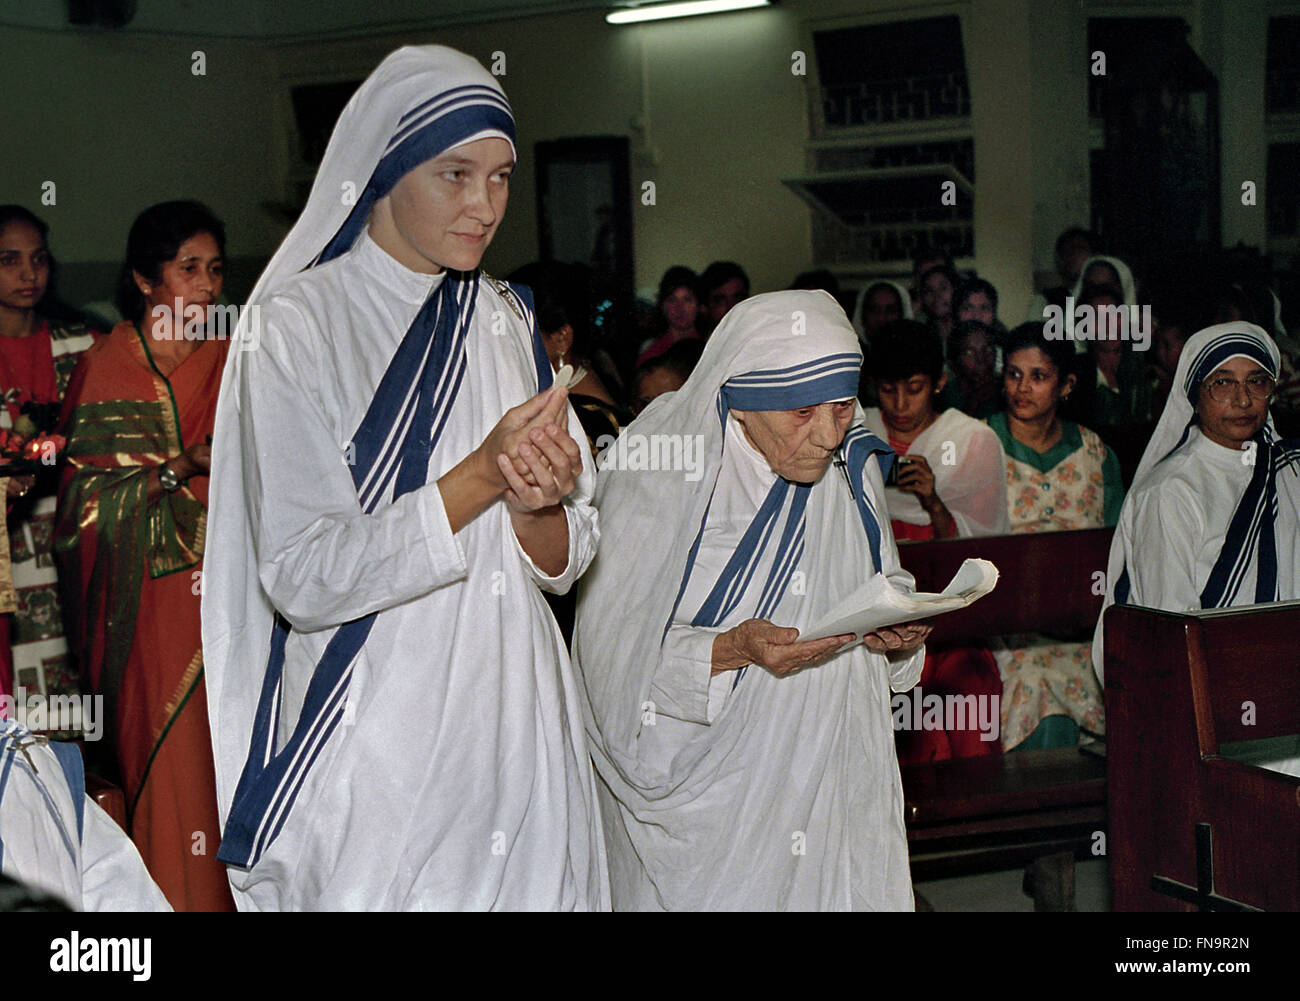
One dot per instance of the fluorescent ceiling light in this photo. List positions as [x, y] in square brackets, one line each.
[659, 11]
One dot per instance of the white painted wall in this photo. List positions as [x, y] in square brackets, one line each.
[717, 119]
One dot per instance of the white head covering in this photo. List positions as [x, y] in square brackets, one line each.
[777, 351]
[1126, 283]
[1268, 522]
[418, 103]
[860, 305]
[1204, 352]
[1279, 328]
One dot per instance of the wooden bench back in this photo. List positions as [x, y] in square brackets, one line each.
[1247, 664]
[1047, 582]
[1176, 689]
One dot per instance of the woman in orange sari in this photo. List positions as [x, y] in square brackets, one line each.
[130, 530]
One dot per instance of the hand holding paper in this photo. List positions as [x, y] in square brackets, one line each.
[878, 603]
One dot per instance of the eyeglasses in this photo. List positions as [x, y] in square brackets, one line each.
[1225, 390]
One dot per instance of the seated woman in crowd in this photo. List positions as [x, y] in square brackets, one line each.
[1171, 332]
[879, 303]
[1117, 391]
[921, 264]
[976, 299]
[1213, 519]
[1059, 477]
[973, 386]
[951, 484]
[130, 531]
[679, 313]
[938, 286]
[666, 373]
[950, 479]
[1103, 270]
[38, 352]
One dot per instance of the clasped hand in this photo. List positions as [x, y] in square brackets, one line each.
[530, 454]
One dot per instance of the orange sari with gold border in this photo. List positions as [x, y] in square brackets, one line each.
[131, 573]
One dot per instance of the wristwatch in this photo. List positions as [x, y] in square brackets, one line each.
[168, 478]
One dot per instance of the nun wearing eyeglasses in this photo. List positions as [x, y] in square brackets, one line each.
[1213, 517]
[394, 715]
[740, 766]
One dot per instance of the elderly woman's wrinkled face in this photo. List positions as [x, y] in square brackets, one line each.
[798, 444]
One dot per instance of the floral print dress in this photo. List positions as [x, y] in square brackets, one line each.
[1073, 485]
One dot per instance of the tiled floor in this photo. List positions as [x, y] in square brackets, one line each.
[1001, 891]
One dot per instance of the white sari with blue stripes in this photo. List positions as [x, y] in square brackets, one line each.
[394, 717]
[1204, 526]
[55, 839]
[745, 790]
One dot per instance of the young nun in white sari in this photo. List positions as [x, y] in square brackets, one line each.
[394, 716]
[743, 768]
[1213, 517]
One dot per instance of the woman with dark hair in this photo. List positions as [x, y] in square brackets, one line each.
[666, 373]
[879, 303]
[130, 533]
[37, 355]
[679, 311]
[974, 387]
[975, 299]
[1060, 476]
[937, 289]
[950, 467]
[1115, 390]
[950, 484]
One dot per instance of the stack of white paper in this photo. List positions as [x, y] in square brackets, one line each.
[877, 603]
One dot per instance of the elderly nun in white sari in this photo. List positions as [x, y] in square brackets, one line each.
[394, 717]
[1213, 517]
[742, 768]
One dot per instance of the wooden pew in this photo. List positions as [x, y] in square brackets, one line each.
[983, 814]
[1187, 821]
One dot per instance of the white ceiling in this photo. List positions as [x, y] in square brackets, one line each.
[290, 20]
